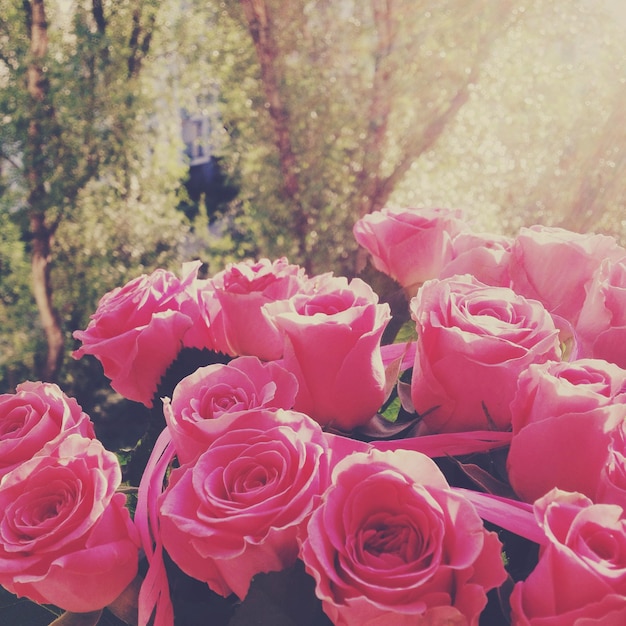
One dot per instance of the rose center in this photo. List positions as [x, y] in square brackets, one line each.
[329, 304]
[605, 545]
[392, 539]
[10, 425]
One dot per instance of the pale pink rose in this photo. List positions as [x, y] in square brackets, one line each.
[563, 416]
[215, 390]
[234, 513]
[137, 331]
[601, 327]
[410, 245]
[332, 345]
[473, 343]
[241, 290]
[36, 415]
[548, 389]
[391, 543]
[554, 266]
[581, 574]
[568, 450]
[485, 256]
[66, 537]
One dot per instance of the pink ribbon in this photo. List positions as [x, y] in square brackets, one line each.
[154, 596]
[512, 515]
[405, 351]
[449, 444]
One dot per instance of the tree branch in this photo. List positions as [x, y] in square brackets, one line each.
[380, 106]
[139, 41]
[97, 10]
[381, 188]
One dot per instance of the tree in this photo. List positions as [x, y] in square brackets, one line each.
[335, 109]
[73, 96]
[343, 101]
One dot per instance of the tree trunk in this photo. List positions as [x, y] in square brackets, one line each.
[41, 115]
[260, 27]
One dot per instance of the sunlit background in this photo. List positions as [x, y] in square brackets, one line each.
[152, 132]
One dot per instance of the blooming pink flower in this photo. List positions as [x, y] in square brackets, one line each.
[554, 266]
[581, 573]
[245, 383]
[241, 290]
[563, 415]
[601, 327]
[137, 331]
[485, 256]
[66, 537]
[235, 511]
[391, 543]
[410, 245]
[548, 389]
[36, 415]
[332, 337]
[612, 483]
[473, 343]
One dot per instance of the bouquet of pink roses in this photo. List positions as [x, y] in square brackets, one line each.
[303, 468]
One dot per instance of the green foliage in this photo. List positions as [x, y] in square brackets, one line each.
[112, 167]
[18, 343]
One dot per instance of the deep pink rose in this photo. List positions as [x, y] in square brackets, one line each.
[410, 245]
[36, 415]
[241, 290]
[601, 326]
[581, 574]
[66, 537]
[391, 543]
[473, 343]
[235, 512]
[612, 484]
[554, 266]
[137, 331]
[485, 256]
[563, 415]
[245, 383]
[332, 344]
[208, 332]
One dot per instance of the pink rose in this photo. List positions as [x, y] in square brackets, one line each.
[554, 266]
[245, 383]
[486, 257]
[612, 484]
[548, 389]
[601, 326]
[563, 415]
[241, 290]
[235, 512]
[36, 415]
[473, 343]
[207, 331]
[137, 331]
[581, 574]
[391, 543]
[410, 245]
[66, 537]
[332, 344]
